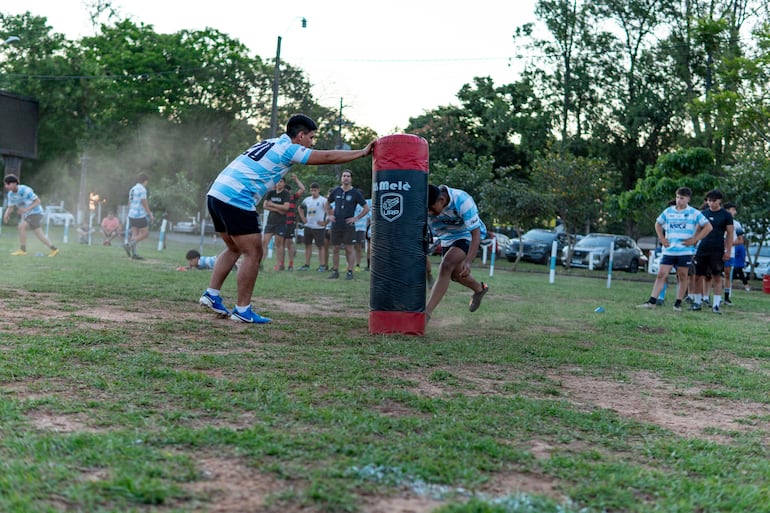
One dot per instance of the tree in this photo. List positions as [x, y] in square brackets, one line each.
[568, 84]
[748, 186]
[517, 203]
[576, 186]
[693, 167]
[506, 123]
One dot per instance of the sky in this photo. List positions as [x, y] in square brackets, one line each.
[383, 61]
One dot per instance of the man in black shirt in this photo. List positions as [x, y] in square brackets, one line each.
[713, 252]
[344, 200]
[277, 204]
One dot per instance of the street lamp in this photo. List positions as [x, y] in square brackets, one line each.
[277, 80]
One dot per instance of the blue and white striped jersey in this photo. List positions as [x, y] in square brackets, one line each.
[362, 223]
[206, 262]
[680, 225]
[244, 181]
[23, 198]
[458, 219]
[135, 196]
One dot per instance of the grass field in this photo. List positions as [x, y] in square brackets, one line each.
[118, 393]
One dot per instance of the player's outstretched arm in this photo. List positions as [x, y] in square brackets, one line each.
[320, 157]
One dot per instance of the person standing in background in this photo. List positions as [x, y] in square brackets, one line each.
[139, 216]
[291, 220]
[343, 218]
[313, 215]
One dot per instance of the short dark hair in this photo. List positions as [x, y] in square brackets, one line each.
[729, 205]
[714, 194]
[315, 185]
[142, 178]
[11, 179]
[433, 193]
[192, 254]
[300, 123]
[684, 191]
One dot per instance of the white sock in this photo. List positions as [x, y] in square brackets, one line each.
[212, 292]
[698, 298]
[242, 309]
[717, 300]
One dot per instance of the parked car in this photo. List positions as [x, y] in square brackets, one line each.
[186, 226]
[502, 243]
[626, 254]
[537, 245]
[762, 263]
[655, 264]
[57, 215]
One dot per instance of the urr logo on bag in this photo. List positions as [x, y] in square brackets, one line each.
[391, 206]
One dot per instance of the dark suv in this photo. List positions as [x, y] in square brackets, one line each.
[537, 244]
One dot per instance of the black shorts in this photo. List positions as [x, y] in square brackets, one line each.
[33, 221]
[138, 222]
[346, 235]
[463, 244]
[677, 261]
[709, 263]
[315, 234]
[232, 220]
[276, 229]
[288, 232]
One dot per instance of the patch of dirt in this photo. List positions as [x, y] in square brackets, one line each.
[400, 505]
[48, 421]
[315, 309]
[645, 398]
[232, 486]
[648, 398]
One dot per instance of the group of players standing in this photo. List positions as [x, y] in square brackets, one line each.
[699, 245]
[339, 221]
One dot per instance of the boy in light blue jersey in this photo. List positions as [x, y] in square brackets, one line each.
[27, 204]
[679, 228]
[453, 217]
[232, 204]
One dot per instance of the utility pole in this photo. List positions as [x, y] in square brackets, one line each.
[277, 80]
[83, 198]
[338, 146]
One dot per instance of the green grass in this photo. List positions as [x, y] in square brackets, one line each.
[117, 393]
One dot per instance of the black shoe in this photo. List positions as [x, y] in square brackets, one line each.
[696, 307]
[304, 268]
[727, 302]
[349, 275]
[136, 257]
[127, 247]
[715, 309]
[660, 302]
[334, 275]
[477, 296]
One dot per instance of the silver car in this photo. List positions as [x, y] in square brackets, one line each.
[596, 247]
